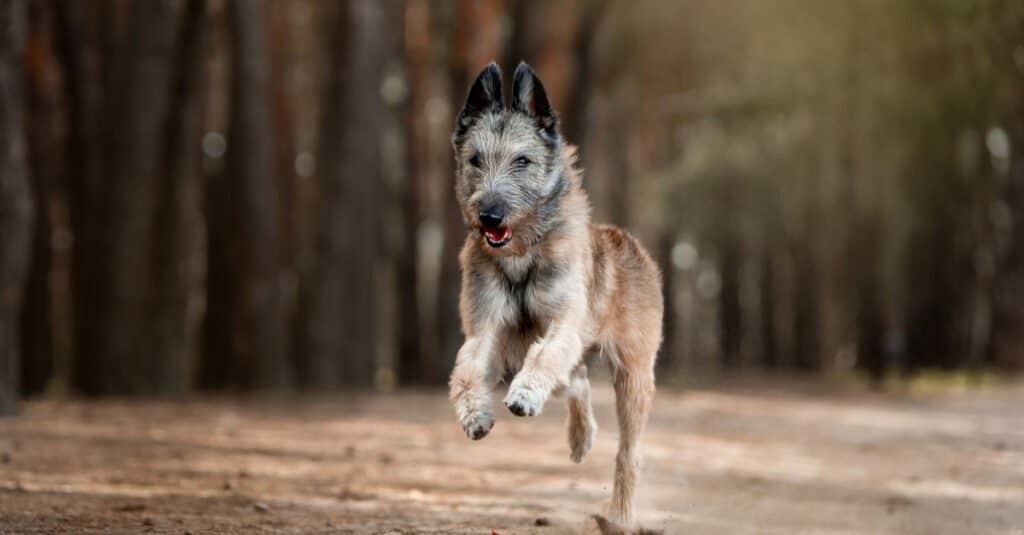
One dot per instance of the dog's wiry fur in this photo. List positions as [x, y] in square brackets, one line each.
[559, 293]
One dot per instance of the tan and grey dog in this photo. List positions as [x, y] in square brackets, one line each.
[544, 290]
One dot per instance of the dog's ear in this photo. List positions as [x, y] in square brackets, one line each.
[530, 98]
[484, 97]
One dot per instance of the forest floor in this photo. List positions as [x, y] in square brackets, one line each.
[733, 460]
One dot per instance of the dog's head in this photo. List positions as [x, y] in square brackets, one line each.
[508, 162]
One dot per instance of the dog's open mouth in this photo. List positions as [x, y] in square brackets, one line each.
[497, 237]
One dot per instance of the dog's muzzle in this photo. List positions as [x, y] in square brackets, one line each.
[491, 223]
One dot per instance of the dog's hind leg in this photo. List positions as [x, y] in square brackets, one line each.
[634, 392]
[582, 425]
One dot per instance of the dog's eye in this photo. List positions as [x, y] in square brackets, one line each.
[521, 161]
[475, 161]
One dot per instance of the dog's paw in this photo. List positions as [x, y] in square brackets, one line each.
[580, 441]
[524, 402]
[478, 424]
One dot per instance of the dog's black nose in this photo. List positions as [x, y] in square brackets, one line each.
[492, 217]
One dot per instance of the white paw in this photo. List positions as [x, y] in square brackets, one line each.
[477, 424]
[524, 402]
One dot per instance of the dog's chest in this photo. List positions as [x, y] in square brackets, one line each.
[517, 269]
[532, 297]
[525, 321]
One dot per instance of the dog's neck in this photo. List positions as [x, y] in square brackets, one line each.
[516, 269]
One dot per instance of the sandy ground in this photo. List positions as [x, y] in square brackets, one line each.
[730, 461]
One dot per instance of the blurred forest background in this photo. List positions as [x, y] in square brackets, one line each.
[257, 195]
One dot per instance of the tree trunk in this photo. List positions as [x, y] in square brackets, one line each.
[282, 37]
[37, 348]
[415, 362]
[618, 136]
[730, 314]
[178, 214]
[580, 90]
[526, 34]
[1007, 345]
[255, 331]
[806, 344]
[339, 305]
[868, 303]
[37, 329]
[669, 355]
[931, 316]
[15, 199]
[766, 302]
[138, 107]
[78, 44]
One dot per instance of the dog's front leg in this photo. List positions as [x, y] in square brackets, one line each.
[547, 368]
[477, 371]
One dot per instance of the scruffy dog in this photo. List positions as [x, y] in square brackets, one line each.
[545, 291]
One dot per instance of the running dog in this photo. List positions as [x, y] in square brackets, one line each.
[545, 291]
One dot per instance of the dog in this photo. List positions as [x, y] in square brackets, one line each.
[545, 291]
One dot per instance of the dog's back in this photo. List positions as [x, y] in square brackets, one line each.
[625, 294]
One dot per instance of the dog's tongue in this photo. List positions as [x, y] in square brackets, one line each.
[497, 235]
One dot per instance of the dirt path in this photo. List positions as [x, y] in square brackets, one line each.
[717, 462]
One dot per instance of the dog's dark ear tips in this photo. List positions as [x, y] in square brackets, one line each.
[529, 97]
[484, 97]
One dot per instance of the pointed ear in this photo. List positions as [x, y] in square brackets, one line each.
[484, 97]
[529, 97]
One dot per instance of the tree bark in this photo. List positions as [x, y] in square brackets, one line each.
[78, 44]
[806, 342]
[526, 35]
[767, 295]
[415, 362]
[16, 212]
[1007, 347]
[339, 305]
[869, 311]
[580, 90]
[669, 358]
[730, 314]
[178, 213]
[618, 137]
[282, 39]
[254, 329]
[138, 107]
[43, 108]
